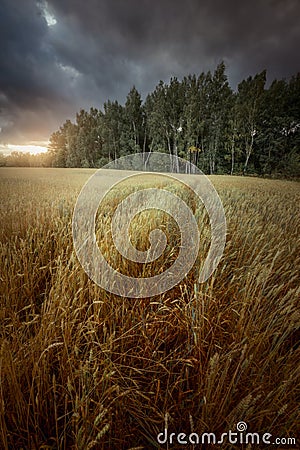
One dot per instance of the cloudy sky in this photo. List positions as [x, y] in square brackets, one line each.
[62, 55]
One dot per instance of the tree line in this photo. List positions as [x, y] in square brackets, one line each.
[254, 129]
[25, 159]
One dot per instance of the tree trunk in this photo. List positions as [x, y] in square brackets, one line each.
[170, 151]
[248, 152]
[175, 153]
[136, 141]
[232, 156]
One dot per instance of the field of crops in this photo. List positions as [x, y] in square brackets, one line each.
[82, 368]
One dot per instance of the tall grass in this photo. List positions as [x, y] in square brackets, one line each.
[82, 368]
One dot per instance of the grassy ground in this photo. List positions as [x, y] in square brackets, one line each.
[81, 368]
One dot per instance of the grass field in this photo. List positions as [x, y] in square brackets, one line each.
[81, 368]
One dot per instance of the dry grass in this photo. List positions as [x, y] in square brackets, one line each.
[81, 368]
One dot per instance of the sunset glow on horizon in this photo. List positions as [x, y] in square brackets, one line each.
[26, 148]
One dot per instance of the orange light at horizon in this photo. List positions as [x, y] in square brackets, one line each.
[26, 148]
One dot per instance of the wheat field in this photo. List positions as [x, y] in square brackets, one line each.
[81, 368]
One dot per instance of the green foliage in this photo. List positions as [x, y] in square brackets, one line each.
[249, 107]
[133, 120]
[253, 130]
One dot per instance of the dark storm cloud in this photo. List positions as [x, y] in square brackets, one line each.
[30, 88]
[192, 33]
[67, 54]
